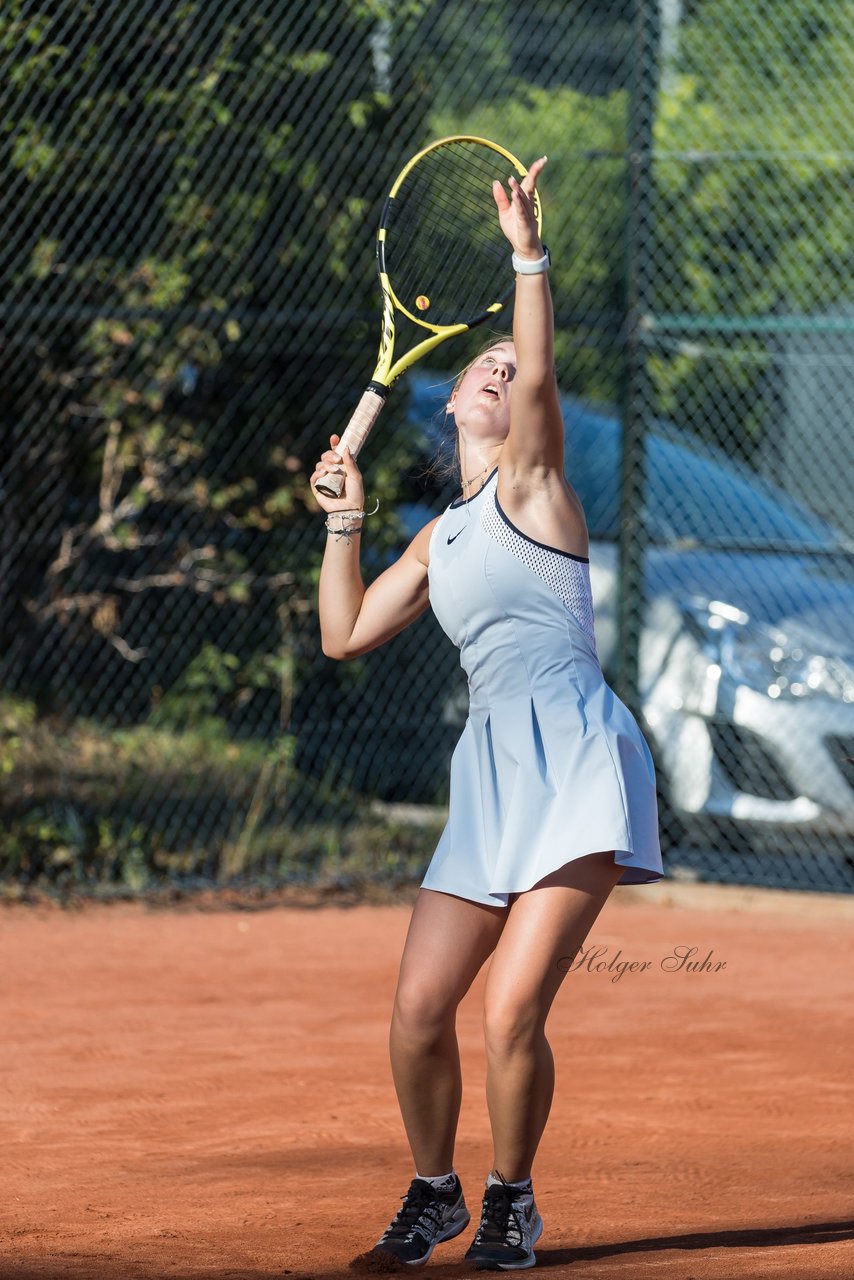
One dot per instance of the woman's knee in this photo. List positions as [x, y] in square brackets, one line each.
[511, 1026]
[422, 1009]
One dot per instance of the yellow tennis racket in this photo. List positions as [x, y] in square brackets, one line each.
[443, 262]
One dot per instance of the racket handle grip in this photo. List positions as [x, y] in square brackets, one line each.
[355, 434]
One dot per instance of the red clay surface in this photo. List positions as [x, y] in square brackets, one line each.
[208, 1094]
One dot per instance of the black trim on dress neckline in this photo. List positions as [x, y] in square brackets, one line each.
[544, 545]
[461, 501]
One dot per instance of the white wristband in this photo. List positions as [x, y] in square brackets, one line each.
[532, 267]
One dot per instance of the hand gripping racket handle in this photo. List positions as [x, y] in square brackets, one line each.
[355, 434]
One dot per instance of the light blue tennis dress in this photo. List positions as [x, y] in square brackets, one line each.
[551, 765]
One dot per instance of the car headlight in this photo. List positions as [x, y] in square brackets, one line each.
[766, 658]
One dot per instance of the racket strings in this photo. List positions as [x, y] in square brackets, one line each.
[447, 210]
[447, 260]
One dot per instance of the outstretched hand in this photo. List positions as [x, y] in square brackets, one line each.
[516, 212]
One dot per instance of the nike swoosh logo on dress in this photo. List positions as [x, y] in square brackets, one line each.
[456, 535]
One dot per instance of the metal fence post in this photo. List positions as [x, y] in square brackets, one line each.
[635, 381]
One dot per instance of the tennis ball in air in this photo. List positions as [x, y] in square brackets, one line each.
[421, 302]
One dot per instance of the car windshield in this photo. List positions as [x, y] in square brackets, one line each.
[695, 494]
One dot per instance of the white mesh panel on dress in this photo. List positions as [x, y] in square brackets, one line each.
[569, 578]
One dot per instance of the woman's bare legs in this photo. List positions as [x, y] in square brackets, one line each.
[448, 941]
[545, 924]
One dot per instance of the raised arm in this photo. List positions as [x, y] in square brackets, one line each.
[534, 445]
[353, 619]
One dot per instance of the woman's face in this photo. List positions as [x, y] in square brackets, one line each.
[481, 402]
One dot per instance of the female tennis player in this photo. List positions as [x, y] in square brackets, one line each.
[552, 792]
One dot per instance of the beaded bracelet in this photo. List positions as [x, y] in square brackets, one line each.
[346, 528]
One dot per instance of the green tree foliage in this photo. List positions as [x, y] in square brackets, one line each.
[751, 189]
[187, 231]
[753, 175]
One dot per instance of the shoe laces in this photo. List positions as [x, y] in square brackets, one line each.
[499, 1220]
[419, 1203]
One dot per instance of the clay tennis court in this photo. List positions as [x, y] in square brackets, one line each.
[205, 1091]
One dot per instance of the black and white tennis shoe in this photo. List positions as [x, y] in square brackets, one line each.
[510, 1226]
[426, 1218]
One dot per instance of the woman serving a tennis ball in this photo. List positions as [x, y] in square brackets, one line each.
[552, 790]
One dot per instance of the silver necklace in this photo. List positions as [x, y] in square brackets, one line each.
[480, 474]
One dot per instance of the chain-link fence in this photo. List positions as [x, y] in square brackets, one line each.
[189, 307]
